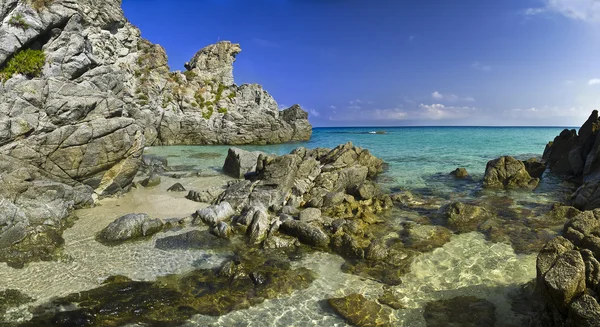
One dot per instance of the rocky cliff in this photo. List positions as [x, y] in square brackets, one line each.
[577, 156]
[82, 94]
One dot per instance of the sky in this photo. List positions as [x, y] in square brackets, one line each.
[399, 63]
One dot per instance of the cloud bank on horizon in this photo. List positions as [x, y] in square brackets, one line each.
[384, 63]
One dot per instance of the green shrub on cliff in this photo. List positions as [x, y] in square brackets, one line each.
[18, 21]
[222, 110]
[27, 62]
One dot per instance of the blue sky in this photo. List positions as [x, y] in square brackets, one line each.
[394, 62]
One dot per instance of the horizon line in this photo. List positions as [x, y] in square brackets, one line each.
[485, 126]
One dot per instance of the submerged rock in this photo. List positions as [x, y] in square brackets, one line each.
[306, 233]
[463, 311]
[361, 312]
[460, 173]
[508, 172]
[129, 227]
[192, 240]
[465, 218]
[173, 299]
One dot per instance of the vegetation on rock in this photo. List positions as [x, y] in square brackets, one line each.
[18, 21]
[27, 62]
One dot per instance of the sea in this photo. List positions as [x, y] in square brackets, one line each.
[418, 160]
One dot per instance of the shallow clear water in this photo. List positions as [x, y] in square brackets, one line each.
[414, 154]
[419, 159]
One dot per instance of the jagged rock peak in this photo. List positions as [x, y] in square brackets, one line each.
[215, 62]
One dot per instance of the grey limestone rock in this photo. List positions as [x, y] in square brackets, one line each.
[129, 227]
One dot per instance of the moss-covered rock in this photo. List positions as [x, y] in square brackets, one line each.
[248, 280]
[27, 62]
[463, 311]
[11, 299]
[43, 244]
[361, 312]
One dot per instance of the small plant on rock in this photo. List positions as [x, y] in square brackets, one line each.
[222, 110]
[18, 21]
[27, 62]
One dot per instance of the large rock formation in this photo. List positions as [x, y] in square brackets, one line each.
[568, 275]
[508, 172]
[577, 155]
[75, 123]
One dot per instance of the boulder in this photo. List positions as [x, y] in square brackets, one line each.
[206, 196]
[129, 227]
[508, 172]
[214, 214]
[306, 233]
[240, 162]
[535, 167]
[191, 240]
[310, 214]
[359, 311]
[151, 181]
[460, 173]
[464, 218]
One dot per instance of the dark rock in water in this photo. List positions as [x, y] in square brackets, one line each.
[460, 173]
[205, 196]
[361, 312]
[177, 187]
[151, 181]
[129, 227]
[214, 214]
[568, 275]
[11, 299]
[191, 240]
[465, 218]
[425, 237]
[388, 298]
[240, 162]
[508, 172]
[463, 311]
[171, 300]
[20, 245]
[222, 230]
[306, 233]
[535, 167]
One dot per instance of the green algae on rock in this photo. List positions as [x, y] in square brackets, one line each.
[463, 311]
[361, 312]
[10, 299]
[247, 280]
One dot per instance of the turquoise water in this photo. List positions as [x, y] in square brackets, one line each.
[416, 155]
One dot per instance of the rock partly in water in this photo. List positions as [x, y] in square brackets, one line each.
[192, 240]
[508, 172]
[214, 214]
[464, 218]
[568, 275]
[205, 196]
[129, 227]
[535, 167]
[462, 311]
[460, 173]
[240, 162]
[360, 311]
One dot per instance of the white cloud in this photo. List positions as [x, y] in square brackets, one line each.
[372, 115]
[439, 111]
[355, 102]
[451, 97]
[333, 107]
[412, 37]
[568, 82]
[546, 112]
[314, 113]
[479, 66]
[582, 10]
[594, 81]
